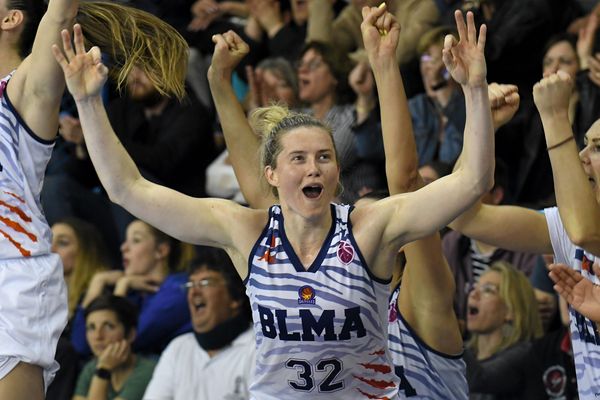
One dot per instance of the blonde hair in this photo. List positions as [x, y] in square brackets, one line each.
[517, 294]
[180, 253]
[272, 122]
[91, 257]
[132, 37]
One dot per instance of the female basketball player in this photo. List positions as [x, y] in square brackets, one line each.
[317, 278]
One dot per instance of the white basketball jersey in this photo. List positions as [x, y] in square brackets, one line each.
[424, 373]
[585, 337]
[24, 231]
[320, 332]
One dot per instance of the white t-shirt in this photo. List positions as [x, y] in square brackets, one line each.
[186, 372]
[584, 333]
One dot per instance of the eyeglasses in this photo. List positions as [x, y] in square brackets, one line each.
[310, 65]
[487, 289]
[201, 284]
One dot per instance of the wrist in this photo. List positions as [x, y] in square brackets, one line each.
[103, 373]
[552, 146]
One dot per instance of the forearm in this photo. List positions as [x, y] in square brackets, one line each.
[98, 389]
[477, 156]
[243, 145]
[575, 197]
[398, 138]
[114, 166]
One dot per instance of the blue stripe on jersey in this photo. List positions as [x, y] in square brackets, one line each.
[319, 332]
[424, 372]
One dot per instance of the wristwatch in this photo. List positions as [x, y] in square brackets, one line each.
[102, 373]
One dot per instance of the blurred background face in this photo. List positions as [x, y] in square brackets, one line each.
[299, 11]
[315, 79]
[140, 251]
[140, 88]
[276, 88]
[103, 328]
[486, 310]
[64, 242]
[432, 67]
[561, 56]
[209, 300]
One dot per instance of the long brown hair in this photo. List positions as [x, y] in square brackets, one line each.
[132, 37]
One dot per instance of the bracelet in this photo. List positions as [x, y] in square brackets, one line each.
[560, 143]
[102, 373]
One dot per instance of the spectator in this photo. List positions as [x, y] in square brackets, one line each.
[469, 259]
[151, 261]
[83, 254]
[503, 319]
[116, 372]
[438, 115]
[215, 361]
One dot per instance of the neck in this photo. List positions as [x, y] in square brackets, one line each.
[321, 107]
[159, 273]
[442, 95]
[488, 343]
[10, 61]
[306, 235]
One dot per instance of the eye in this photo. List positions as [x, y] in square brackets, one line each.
[297, 158]
[325, 157]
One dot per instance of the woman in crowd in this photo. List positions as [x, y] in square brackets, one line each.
[83, 254]
[151, 278]
[503, 319]
[116, 371]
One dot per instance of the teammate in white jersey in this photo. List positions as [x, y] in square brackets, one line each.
[299, 162]
[571, 231]
[424, 338]
[33, 309]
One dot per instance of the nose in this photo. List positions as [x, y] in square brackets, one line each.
[314, 168]
[124, 247]
[550, 69]
[583, 155]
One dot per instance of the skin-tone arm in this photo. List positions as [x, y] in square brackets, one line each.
[404, 216]
[198, 221]
[507, 227]
[581, 293]
[37, 86]
[576, 200]
[243, 145]
[426, 305]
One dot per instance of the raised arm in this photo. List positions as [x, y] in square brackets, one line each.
[447, 197]
[38, 84]
[507, 227]
[243, 145]
[427, 306]
[575, 197]
[200, 221]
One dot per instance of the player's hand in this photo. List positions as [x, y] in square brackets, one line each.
[84, 72]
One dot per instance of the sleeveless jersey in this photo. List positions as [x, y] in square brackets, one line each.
[24, 231]
[585, 337]
[321, 332]
[424, 373]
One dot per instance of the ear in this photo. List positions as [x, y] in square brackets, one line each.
[12, 20]
[131, 336]
[271, 176]
[162, 250]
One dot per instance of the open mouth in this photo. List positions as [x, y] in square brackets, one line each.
[312, 192]
[592, 181]
[472, 311]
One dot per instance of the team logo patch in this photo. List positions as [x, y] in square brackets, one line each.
[345, 252]
[555, 381]
[306, 295]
